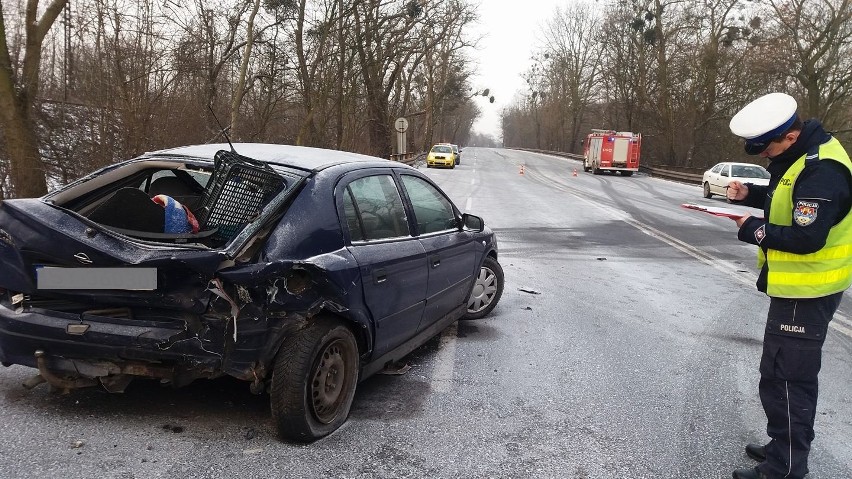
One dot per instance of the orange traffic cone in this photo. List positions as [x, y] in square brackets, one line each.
[575, 172]
[522, 170]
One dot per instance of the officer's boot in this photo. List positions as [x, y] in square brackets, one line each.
[752, 473]
[756, 452]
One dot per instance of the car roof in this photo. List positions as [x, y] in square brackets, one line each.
[732, 163]
[303, 157]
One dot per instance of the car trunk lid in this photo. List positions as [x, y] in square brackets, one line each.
[51, 254]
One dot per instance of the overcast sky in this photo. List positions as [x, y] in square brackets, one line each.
[510, 31]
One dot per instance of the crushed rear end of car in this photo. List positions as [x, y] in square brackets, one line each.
[89, 303]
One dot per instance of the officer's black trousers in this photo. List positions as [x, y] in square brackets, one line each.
[792, 357]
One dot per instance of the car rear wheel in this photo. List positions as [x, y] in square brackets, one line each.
[707, 193]
[487, 289]
[313, 380]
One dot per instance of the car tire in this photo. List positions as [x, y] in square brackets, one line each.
[626, 173]
[486, 291]
[707, 193]
[313, 380]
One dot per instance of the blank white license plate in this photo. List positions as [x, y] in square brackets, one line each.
[49, 277]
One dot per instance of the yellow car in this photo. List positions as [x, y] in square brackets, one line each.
[441, 155]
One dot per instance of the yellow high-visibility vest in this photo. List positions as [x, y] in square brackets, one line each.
[811, 275]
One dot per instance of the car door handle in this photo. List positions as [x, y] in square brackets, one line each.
[380, 275]
[436, 262]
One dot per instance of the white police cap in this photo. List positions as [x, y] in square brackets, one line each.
[764, 120]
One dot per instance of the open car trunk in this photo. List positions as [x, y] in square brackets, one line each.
[104, 240]
[50, 255]
[93, 265]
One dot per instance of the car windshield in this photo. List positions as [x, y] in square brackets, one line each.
[745, 171]
[441, 149]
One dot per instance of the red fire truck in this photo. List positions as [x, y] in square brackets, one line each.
[610, 150]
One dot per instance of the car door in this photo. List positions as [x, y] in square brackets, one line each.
[724, 179]
[392, 262]
[719, 178]
[450, 251]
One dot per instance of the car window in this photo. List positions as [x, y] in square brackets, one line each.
[717, 168]
[200, 177]
[376, 208]
[747, 171]
[726, 171]
[353, 221]
[442, 149]
[432, 210]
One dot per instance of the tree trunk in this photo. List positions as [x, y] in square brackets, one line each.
[239, 91]
[25, 169]
[379, 127]
[16, 103]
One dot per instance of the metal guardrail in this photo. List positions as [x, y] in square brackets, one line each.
[655, 171]
[672, 174]
[407, 158]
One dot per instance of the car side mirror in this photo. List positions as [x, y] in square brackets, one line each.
[473, 222]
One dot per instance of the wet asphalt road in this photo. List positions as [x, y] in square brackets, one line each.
[626, 345]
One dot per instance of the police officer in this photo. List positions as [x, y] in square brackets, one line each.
[805, 259]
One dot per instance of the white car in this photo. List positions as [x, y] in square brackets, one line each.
[716, 179]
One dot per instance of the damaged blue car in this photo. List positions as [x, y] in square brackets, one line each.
[301, 271]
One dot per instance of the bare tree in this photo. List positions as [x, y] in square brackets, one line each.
[626, 70]
[819, 36]
[316, 29]
[711, 81]
[444, 87]
[18, 93]
[385, 41]
[571, 40]
[239, 89]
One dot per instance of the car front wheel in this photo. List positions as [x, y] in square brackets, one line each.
[707, 193]
[487, 289]
[313, 380]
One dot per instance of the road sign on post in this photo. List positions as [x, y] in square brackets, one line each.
[401, 126]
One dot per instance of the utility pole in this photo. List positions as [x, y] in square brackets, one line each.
[68, 60]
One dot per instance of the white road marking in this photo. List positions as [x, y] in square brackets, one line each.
[840, 323]
[468, 203]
